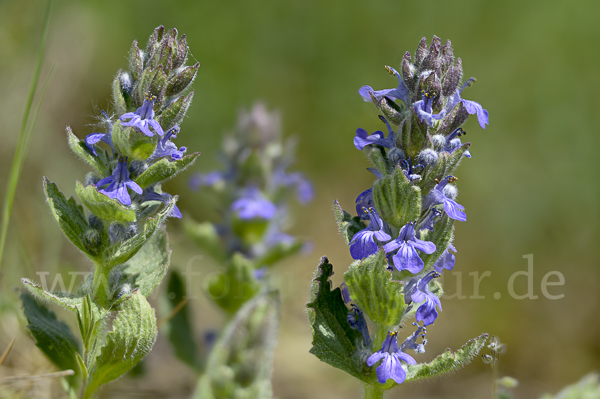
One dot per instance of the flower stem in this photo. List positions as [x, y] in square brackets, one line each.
[373, 391]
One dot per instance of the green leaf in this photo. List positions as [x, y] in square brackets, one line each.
[447, 361]
[347, 225]
[131, 143]
[334, 341]
[378, 160]
[240, 363]
[372, 289]
[206, 237]
[99, 163]
[231, 289]
[136, 61]
[182, 80]
[117, 94]
[127, 249]
[148, 267]
[68, 301]
[441, 237]
[174, 113]
[414, 135]
[132, 337]
[164, 169]
[102, 206]
[396, 199]
[180, 331]
[52, 336]
[69, 215]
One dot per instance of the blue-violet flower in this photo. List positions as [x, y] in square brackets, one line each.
[418, 291]
[253, 205]
[118, 183]
[363, 243]
[391, 366]
[165, 147]
[407, 244]
[143, 118]
[437, 197]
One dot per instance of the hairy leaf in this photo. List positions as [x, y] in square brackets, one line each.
[447, 361]
[334, 341]
[396, 199]
[164, 169]
[372, 289]
[52, 336]
[132, 337]
[102, 206]
[98, 163]
[69, 215]
[347, 225]
[147, 268]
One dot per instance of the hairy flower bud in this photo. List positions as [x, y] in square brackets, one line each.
[428, 157]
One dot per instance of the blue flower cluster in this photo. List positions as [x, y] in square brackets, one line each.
[254, 188]
[423, 116]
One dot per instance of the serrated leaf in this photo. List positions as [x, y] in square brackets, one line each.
[52, 336]
[132, 337]
[71, 302]
[164, 169]
[131, 143]
[334, 341]
[69, 215]
[205, 235]
[240, 363]
[102, 206]
[347, 225]
[372, 289]
[396, 199]
[180, 327]
[231, 289]
[447, 361]
[148, 267]
[127, 249]
[99, 163]
[182, 80]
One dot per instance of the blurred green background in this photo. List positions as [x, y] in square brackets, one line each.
[530, 187]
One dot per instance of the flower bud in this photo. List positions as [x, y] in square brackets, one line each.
[451, 191]
[438, 141]
[428, 157]
[91, 240]
[396, 155]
